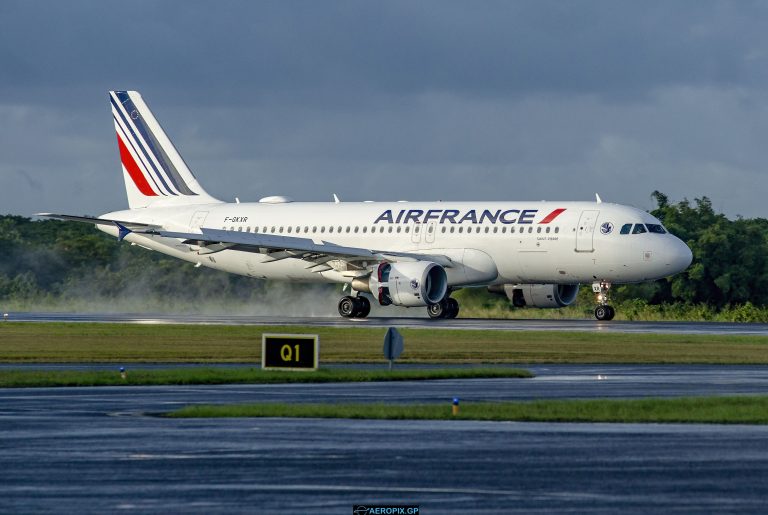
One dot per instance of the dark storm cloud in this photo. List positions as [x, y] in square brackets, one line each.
[347, 51]
[384, 100]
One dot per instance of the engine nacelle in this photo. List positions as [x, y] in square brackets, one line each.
[538, 295]
[408, 284]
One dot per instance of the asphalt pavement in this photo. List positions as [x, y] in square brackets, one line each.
[97, 450]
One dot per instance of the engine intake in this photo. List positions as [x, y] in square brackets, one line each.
[408, 284]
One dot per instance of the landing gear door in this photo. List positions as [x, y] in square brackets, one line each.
[198, 219]
[585, 231]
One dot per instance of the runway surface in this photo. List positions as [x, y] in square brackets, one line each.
[100, 449]
[415, 323]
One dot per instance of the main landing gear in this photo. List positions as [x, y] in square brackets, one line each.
[603, 311]
[354, 307]
[446, 308]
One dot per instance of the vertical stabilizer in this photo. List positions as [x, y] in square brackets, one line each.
[155, 173]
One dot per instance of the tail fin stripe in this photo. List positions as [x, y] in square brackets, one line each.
[154, 173]
[152, 148]
[140, 149]
[138, 159]
[133, 170]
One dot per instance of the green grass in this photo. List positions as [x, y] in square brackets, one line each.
[700, 410]
[137, 343]
[221, 375]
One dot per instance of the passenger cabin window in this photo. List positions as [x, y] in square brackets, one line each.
[626, 229]
[655, 228]
[639, 229]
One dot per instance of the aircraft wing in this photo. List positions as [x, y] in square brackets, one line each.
[282, 247]
[276, 247]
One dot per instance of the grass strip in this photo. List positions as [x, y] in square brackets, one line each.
[698, 410]
[220, 375]
[27, 342]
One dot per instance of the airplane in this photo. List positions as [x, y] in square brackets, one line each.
[412, 254]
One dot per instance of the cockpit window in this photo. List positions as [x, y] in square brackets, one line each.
[656, 228]
[639, 229]
[626, 229]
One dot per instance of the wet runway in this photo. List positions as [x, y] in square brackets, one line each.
[99, 449]
[416, 323]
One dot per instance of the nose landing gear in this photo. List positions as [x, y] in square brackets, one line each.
[603, 311]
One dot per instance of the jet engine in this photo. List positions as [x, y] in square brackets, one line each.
[408, 284]
[538, 295]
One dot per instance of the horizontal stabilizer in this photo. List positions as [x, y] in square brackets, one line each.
[120, 224]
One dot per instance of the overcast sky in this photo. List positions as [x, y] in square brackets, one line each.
[392, 100]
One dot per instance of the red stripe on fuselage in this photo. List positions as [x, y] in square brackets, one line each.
[133, 170]
[551, 216]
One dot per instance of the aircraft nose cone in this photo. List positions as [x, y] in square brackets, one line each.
[681, 257]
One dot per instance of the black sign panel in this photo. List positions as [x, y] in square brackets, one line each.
[290, 351]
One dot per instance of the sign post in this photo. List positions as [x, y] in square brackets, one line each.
[393, 345]
[290, 351]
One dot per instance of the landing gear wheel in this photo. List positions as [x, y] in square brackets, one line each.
[363, 307]
[605, 313]
[452, 308]
[446, 308]
[436, 310]
[602, 291]
[347, 307]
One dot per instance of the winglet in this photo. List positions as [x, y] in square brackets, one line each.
[598, 199]
[336, 199]
[122, 231]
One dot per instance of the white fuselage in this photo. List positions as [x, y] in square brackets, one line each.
[488, 242]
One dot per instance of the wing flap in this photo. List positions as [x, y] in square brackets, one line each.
[293, 246]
